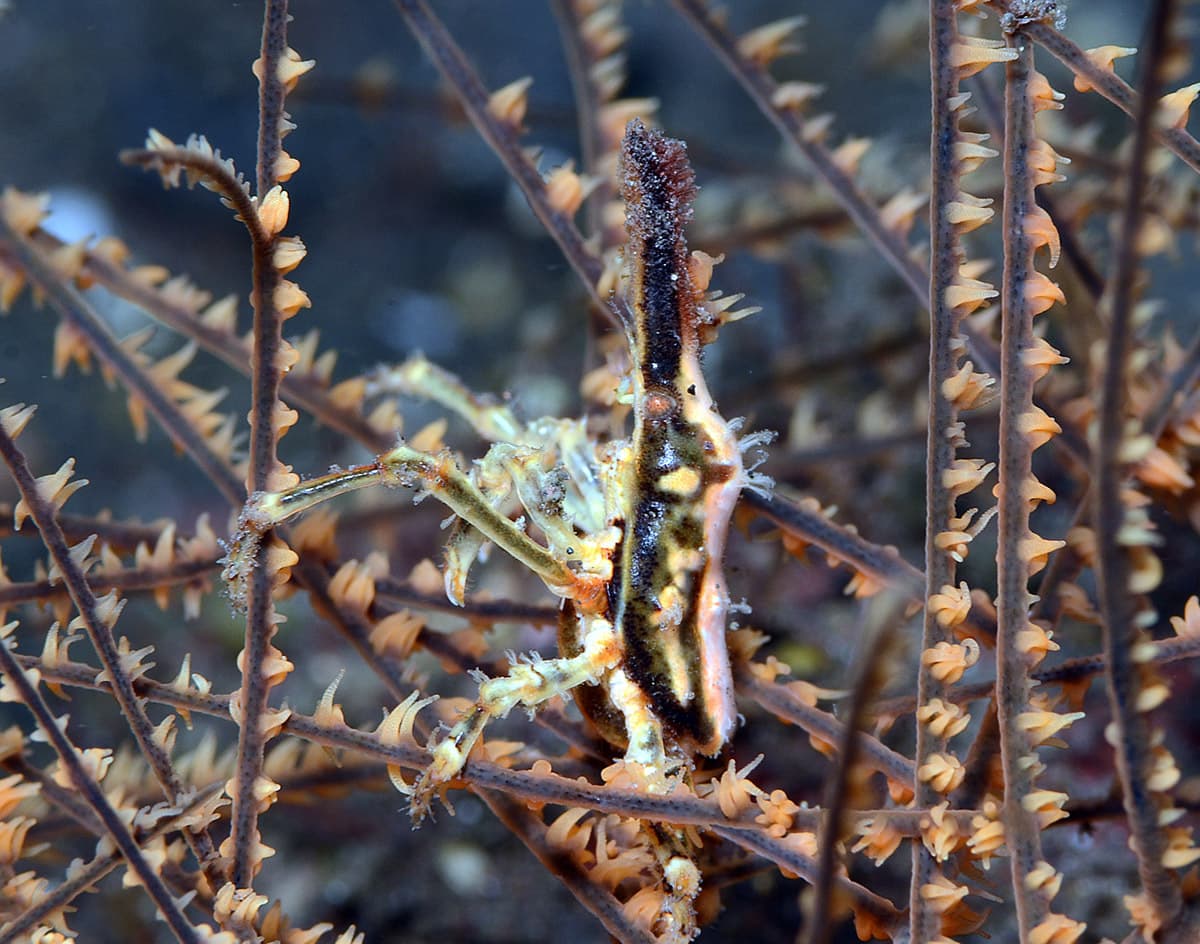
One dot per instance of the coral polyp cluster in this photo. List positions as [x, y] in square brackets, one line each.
[921, 677]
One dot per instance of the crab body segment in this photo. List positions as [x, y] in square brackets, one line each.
[634, 529]
[668, 597]
[653, 643]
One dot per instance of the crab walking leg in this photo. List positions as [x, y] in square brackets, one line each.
[440, 477]
[419, 377]
[528, 683]
[643, 729]
[675, 852]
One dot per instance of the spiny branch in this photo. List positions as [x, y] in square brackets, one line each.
[1134, 741]
[99, 631]
[91, 791]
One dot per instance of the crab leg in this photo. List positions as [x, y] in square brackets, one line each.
[529, 682]
[439, 476]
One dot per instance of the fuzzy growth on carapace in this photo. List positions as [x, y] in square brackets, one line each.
[668, 597]
[658, 186]
[622, 513]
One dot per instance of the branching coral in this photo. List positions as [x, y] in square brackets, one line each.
[1054, 403]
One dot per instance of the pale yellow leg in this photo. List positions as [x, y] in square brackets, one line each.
[646, 746]
[676, 852]
[436, 474]
[528, 684]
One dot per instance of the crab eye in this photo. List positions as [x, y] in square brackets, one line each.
[658, 405]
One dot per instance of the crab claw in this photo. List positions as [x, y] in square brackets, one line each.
[423, 792]
[449, 758]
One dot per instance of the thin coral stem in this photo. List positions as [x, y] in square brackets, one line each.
[880, 563]
[1108, 84]
[75, 309]
[1073, 250]
[80, 675]
[91, 791]
[589, 98]
[206, 166]
[265, 377]
[839, 791]
[863, 901]
[260, 613]
[527, 827]
[120, 535]
[785, 704]
[542, 788]
[1013, 664]
[1071, 670]
[86, 877]
[762, 88]
[815, 365]
[272, 91]
[487, 611]
[979, 758]
[66, 801]
[794, 463]
[528, 785]
[946, 258]
[1064, 566]
[755, 234]
[352, 627]
[1175, 392]
[150, 579]
[99, 632]
[268, 323]
[300, 387]
[1134, 740]
[1112, 807]
[130, 580]
[502, 138]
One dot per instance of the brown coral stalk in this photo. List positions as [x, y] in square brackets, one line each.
[946, 257]
[785, 704]
[1134, 739]
[75, 309]
[1013, 661]
[502, 138]
[264, 437]
[301, 388]
[1108, 84]
[94, 795]
[879, 563]
[87, 876]
[100, 634]
[527, 827]
[839, 791]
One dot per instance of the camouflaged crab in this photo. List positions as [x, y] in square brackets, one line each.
[634, 529]
[626, 528]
